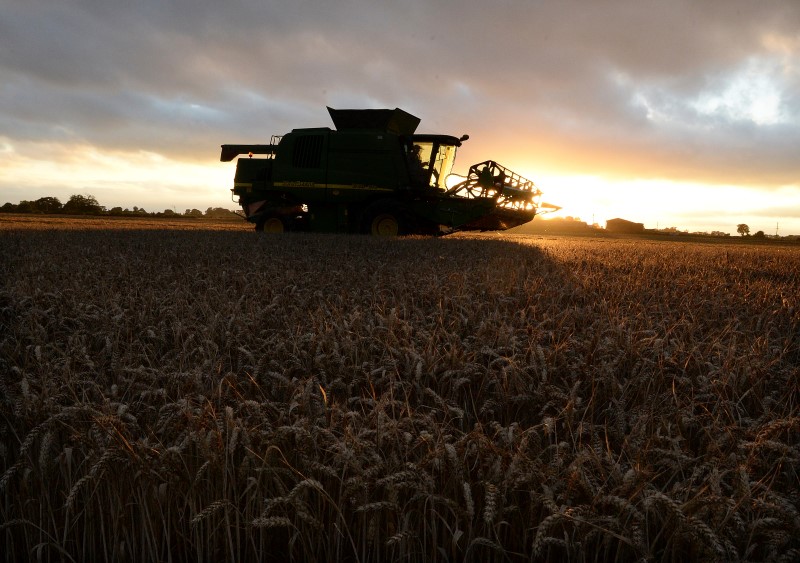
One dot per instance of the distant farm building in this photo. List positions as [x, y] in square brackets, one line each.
[624, 226]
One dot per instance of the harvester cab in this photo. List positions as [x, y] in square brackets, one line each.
[374, 174]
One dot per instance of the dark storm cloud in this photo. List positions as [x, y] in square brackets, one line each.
[618, 84]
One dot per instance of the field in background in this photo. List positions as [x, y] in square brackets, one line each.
[35, 222]
[224, 395]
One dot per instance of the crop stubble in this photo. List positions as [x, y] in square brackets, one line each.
[220, 395]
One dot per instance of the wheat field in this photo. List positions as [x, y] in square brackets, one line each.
[175, 395]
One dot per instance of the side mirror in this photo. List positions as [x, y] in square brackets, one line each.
[464, 138]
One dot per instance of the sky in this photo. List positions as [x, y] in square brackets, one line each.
[667, 112]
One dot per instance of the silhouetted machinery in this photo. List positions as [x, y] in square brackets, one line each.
[374, 174]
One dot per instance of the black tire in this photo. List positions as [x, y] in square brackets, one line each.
[385, 219]
[271, 224]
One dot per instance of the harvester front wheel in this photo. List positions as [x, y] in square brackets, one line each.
[385, 218]
[385, 225]
[272, 224]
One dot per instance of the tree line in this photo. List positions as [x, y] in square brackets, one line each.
[88, 205]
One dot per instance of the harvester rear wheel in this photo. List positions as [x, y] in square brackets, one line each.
[272, 224]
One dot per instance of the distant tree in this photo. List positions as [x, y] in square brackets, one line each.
[115, 211]
[193, 213]
[47, 205]
[25, 206]
[8, 207]
[169, 213]
[743, 229]
[218, 212]
[82, 205]
[759, 234]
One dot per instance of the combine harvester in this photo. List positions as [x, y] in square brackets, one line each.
[374, 174]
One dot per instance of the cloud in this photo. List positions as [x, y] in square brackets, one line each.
[619, 88]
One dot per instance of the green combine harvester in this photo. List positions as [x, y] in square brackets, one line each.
[374, 174]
